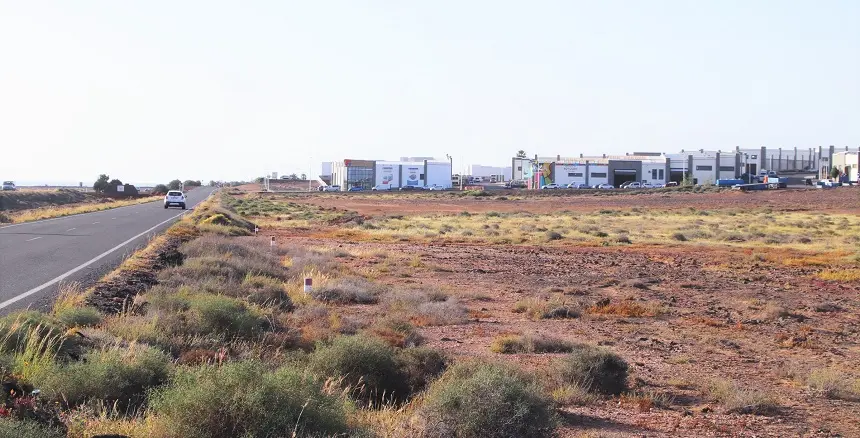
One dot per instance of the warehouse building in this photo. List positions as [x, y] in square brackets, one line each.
[367, 174]
[701, 166]
[848, 164]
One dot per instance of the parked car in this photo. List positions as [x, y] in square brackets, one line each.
[8, 185]
[632, 185]
[552, 186]
[356, 189]
[381, 187]
[672, 184]
[515, 184]
[624, 184]
[436, 187]
[578, 186]
[605, 186]
[174, 197]
[409, 188]
[657, 185]
[331, 189]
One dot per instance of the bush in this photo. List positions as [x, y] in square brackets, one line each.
[514, 344]
[421, 366]
[491, 400]
[552, 235]
[741, 400]
[79, 316]
[680, 237]
[10, 428]
[834, 384]
[116, 374]
[264, 290]
[160, 189]
[366, 364]
[396, 332]
[216, 314]
[350, 290]
[594, 369]
[245, 399]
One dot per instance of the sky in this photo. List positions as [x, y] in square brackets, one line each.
[153, 90]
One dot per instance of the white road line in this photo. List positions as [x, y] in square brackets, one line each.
[94, 223]
[30, 240]
[113, 218]
[70, 229]
[36, 289]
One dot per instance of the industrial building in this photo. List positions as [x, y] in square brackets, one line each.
[848, 164]
[367, 174]
[700, 166]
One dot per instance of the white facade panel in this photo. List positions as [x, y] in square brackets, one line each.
[412, 174]
[703, 170]
[598, 174]
[654, 173]
[387, 173]
[439, 174]
[569, 174]
[326, 169]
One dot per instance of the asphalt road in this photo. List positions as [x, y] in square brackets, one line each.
[37, 257]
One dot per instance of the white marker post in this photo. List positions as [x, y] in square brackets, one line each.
[272, 242]
[309, 283]
[255, 230]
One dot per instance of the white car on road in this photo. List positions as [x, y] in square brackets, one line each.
[552, 186]
[174, 197]
[605, 186]
[331, 189]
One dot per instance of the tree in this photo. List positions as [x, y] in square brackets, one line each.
[293, 177]
[174, 185]
[259, 180]
[304, 176]
[160, 189]
[101, 184]
[521, 154]
[834, 173]
[113, 183]
[212, 183]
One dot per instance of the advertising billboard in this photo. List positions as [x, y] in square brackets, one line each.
[412, 175]
[386, 174]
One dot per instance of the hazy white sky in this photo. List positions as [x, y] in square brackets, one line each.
[149, 91]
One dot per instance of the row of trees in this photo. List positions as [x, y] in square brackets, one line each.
[104, 184]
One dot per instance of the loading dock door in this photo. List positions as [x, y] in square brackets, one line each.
[676, 176]
[622, 176]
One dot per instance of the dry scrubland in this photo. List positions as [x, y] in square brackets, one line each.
[34, 204]
[461, 315]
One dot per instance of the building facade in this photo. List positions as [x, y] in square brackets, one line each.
[367, 174]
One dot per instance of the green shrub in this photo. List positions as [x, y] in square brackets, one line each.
[264, 290]
[10, 428]
[680, 237]
[594, 369]
[367, 365]
[475, 399]
[513, 344]
[350, 290]
[16, 327]
[421, 366]
[220, 315]
[115, 374]
[79, 316]
[244, 399]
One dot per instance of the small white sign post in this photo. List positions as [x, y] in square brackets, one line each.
[309, 283]
[120, 188]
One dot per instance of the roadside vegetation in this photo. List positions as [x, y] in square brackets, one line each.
[32, 205]
[217, 337]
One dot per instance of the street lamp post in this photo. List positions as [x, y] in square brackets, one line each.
[451, 160]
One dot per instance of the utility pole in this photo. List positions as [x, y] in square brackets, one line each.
[451, 160]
